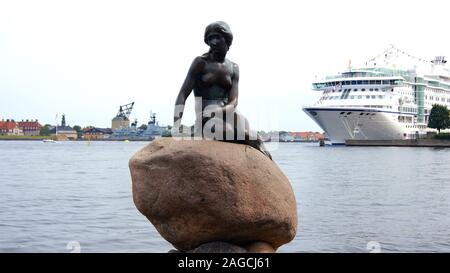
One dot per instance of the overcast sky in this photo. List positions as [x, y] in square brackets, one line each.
[86, 58]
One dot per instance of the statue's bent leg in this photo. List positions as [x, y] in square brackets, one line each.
[243, 134]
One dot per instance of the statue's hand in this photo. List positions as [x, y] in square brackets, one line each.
[210, 109]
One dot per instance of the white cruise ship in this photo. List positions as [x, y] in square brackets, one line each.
[381, 101]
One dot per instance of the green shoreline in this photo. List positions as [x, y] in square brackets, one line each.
[24, 137]
[41, 138]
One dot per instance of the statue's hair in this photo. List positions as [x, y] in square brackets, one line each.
[222, 28]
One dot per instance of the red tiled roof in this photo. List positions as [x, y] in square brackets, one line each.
[319, 136]
[307, 135]
[301, 134]
[7, 125]
[29, 124]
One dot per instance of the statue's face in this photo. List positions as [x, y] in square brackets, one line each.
[217, 42]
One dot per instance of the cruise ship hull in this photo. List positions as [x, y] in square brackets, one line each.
[341, 124]
[389, 102]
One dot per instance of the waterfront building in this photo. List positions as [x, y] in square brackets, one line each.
[118, 123]
[97, 133]
[286, 137]
[63, 132]
[306, 136]
[10, 128]
[30, 127]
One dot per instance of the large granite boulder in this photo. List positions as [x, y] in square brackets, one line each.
[200, 191]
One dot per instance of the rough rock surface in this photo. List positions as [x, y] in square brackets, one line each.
[200, 191]
[218, 247]
[259, 247]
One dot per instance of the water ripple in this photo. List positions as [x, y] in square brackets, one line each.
[346, 198]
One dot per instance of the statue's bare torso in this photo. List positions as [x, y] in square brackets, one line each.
[213, 80]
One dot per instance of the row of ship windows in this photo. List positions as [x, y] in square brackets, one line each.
[408, 92]
[408, 109]
[376, 89]
[371, 106]
[358, 82]
[433, 103]
[402, 109]
[438, 99]
[362, 89]
[370, 97]
[407, 119]
[361, 114]
[436, 91]
[353, 97]
[426, 96]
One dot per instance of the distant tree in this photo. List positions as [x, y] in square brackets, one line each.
[439, 117]
[143, 127]
[45, 130]
[79, 130]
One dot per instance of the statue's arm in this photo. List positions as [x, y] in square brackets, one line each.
[186, 90]
[234, 91]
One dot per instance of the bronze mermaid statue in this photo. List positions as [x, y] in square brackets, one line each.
[214, 80]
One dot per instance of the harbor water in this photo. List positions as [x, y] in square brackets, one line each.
[76, 196]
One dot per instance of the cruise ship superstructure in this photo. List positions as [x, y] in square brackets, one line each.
[381, 101]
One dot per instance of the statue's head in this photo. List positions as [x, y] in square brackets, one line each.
[219, 28]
